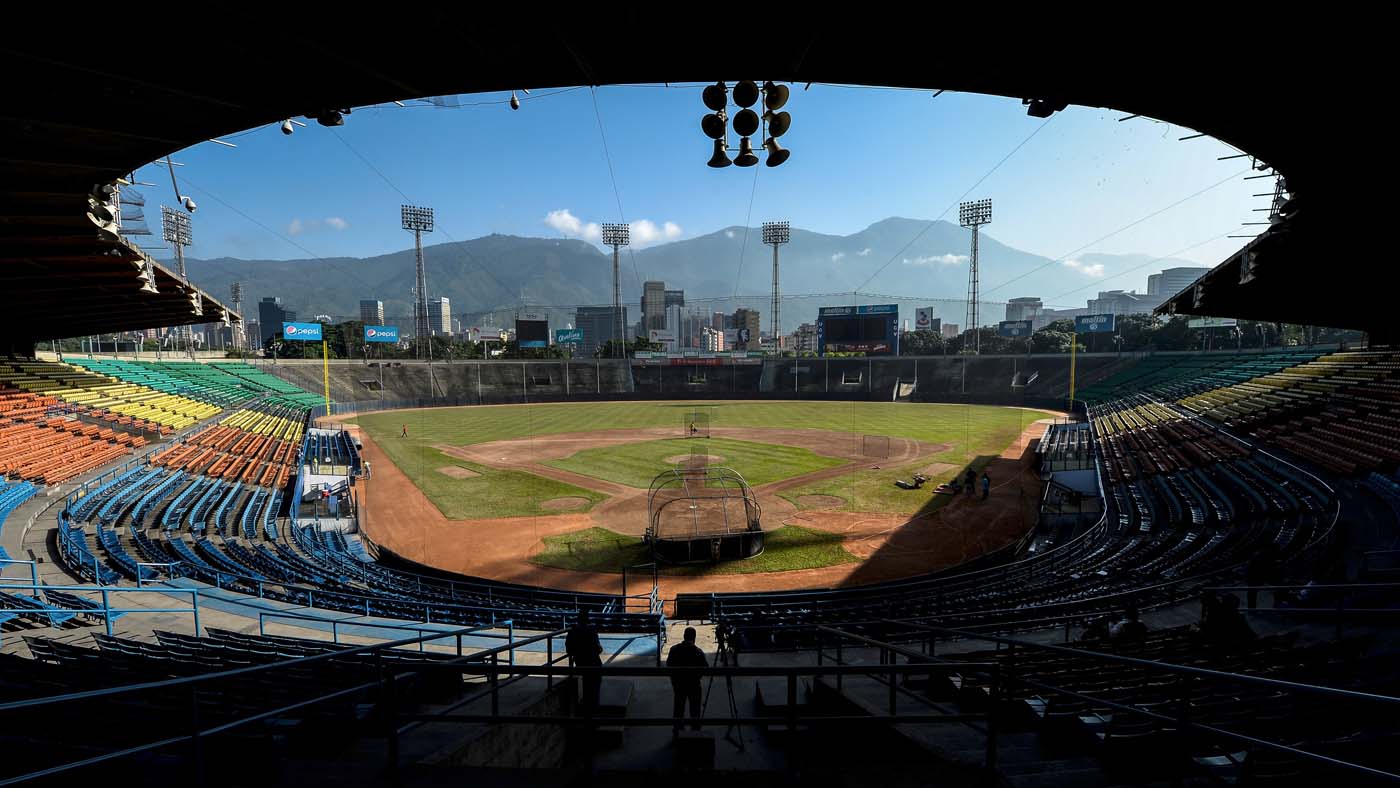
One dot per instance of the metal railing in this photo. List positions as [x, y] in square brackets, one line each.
[1181, 719]
[496, 668]
[1336, 600]
[107, 610]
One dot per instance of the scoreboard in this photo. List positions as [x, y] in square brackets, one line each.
[872, 329]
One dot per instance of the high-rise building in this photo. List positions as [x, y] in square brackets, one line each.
[675, 298]
[951, 330]
[675, 328]
[1123, 302]
[804, 339]
[718, 321]
[271, 316]
[372, 312]
[653, 306]
[598, 326]
[440, 316]
[711, 339]
[1173, 280]
[1025, 308]
[752, 320]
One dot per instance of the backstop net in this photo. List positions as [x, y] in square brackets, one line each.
[696, 424]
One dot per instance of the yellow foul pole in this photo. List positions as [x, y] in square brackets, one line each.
[326, 376]
[1073, 343]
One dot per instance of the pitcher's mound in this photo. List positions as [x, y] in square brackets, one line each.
[821, 501]
[694, 459]
[560, 504]
[457, 472]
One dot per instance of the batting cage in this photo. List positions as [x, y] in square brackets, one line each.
[702, 513]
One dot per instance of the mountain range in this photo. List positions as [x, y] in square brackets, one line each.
[919, 263]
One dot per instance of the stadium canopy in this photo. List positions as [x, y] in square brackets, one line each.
[88, 103]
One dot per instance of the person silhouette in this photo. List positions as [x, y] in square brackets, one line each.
[585, 650]
[685, 687]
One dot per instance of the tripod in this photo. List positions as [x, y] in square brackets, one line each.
[727, 656]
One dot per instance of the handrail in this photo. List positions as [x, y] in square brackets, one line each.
[1169, 667]
[1354, 586]
[223, 674]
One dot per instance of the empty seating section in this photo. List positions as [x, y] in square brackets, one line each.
[1172, 376]
[262, 381]
[50, 450]
[171, 412]
[200, 382]
[1338, 411]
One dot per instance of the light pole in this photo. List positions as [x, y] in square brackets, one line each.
[175, 230]
[973, 215]
[617, 236]
[776, 234]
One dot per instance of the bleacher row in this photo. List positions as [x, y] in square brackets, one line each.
[221, 532]
[1338, 412]
[59, 421]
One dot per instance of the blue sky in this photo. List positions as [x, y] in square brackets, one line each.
[859, 155]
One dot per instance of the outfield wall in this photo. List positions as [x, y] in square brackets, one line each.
[1041, 381]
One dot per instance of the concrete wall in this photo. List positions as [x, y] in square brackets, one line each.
[1039, 380]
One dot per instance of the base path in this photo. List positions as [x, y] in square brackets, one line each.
[396, 515]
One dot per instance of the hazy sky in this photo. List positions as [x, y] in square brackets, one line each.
[859, 155]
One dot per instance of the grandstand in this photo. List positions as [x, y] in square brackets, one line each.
[182, 618]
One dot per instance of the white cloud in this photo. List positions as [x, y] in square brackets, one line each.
[571, 226]
[298, 225]
[1088, 269]
[941, 259]
[836, 258]
[644, 231]
[728, 233]
[864, 252]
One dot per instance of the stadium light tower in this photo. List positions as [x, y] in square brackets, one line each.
[175, 229]
[776, 234]
[618, 236]
[237, 293]
[974, 215]
[419, 220]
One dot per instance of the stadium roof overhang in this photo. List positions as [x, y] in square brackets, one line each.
[82, 110]
[1284, 277]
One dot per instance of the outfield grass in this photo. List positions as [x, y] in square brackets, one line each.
[867, 490]
[938, 423]
[785, 549]
[495, 493]
[636, 464]
[971, 431]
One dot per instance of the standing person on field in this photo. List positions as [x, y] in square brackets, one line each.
[404, 434]
[986, 486]
[970, 480]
